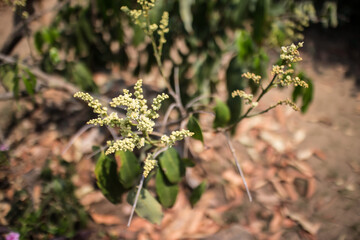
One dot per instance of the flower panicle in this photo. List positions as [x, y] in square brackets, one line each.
[175, 136]
[287, 102]
[252, 76]
[240, 93]
[149, 164]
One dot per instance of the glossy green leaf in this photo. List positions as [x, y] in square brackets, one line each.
[197, 193]
[130, 168]
[222, 114]
[172, 166]
[147, 206]
[193, 126]
[166, 191]
[108, 178]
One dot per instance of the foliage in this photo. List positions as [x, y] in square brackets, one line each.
[136, 128]
[58, 214]
[88, 35]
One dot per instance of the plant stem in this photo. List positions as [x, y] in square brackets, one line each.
[136, 200]
[263, 92]
[232, 149]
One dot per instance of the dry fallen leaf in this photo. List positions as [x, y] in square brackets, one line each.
[308, 226]
[105, 219]
[275, 223]
[319, 154]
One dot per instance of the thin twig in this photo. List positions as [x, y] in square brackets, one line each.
[195, 100]
[264, 111]
[112, 132]
[78, 134]
[232, 149]
[102, 148]
[166, 117]
[140, 187]
[49, 80]
[7, 46]
[136, 200]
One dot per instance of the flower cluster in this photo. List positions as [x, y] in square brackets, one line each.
[286, 102]
[141, 18]
[247, 97]
[175, 136]
[290, 54]
[284, 73]
[93, 103]
[164, 23]
[149, 164]
[138, 115]
[252, 76]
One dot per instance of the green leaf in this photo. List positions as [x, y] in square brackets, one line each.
[108, 178]
[186, 14]
[29, 82]
[147, 207]
[307, 96]
[261, 20]
[197, 193]
[172, 166]
[82, 77]
[130, 168]
[193, 126]
[38, 41]
[188, 162]
[234, 81]
[8, 80]
[245, 45]
[54, 55]
[166, 191]
[222, 114]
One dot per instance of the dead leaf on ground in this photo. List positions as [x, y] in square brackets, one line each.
[319, 154]
[303, 167]
[308, 226]
[291, 191]
[276, 236]
[276, 220]
[105, 219]
[311, 187]
[91, 198]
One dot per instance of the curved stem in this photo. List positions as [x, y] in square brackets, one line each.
[232, 149]
[136, 200]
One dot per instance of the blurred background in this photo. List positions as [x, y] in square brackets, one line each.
[302, 167]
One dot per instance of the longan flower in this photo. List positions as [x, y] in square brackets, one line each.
[149, 164]
[252, 76]
[248, 97]
[93, 103]
[126, 144]
[175, 136]
[290, 53]
[287, 102]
